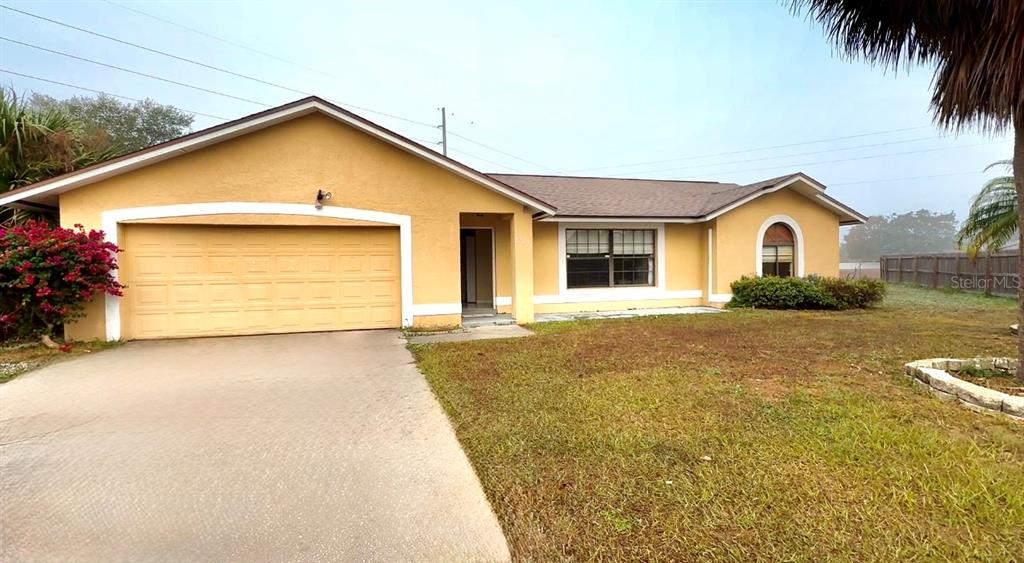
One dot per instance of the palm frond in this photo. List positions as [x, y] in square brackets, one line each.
[36, 144]
[992, 220]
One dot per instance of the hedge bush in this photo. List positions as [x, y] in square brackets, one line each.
[812, 292]
[49, 273]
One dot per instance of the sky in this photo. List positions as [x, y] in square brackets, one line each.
[735, 91]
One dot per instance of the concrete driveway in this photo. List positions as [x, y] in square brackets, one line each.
[302, 447]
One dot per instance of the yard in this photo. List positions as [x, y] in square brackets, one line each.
[748, 435]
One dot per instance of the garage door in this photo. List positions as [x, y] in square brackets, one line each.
[190, 280]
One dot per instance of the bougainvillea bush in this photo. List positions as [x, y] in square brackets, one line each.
[48, 274]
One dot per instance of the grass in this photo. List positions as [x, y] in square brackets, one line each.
[17, 358]
[751, 435]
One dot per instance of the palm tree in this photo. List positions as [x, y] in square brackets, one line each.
[39, 144]
[977, 47]
[992, 222]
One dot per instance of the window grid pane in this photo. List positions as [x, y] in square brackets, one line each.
[633, 242]
[586, 241]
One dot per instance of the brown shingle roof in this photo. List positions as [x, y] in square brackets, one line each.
[619, 197]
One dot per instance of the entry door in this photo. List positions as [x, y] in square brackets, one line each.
[469, 267]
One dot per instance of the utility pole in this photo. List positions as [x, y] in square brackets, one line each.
[444, 131]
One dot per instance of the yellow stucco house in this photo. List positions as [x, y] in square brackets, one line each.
[307, 217]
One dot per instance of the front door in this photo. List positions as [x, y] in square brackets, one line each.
[477, 267]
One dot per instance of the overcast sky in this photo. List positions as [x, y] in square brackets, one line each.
[634, 88]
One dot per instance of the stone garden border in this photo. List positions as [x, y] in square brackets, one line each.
[932, 375]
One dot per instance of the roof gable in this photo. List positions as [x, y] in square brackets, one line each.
[40, 192]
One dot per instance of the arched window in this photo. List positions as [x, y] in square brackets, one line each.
[777, 251]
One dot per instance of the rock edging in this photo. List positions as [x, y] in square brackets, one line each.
[932, 374]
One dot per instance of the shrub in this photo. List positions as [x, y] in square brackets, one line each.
[48, 274]
[812, 292]
[852, 293]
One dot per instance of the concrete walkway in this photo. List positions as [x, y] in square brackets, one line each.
[552, 317]
[305, 447]
[473, 333]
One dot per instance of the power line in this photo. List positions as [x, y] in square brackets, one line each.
[884, 155]
[69, 85]
[218, 38]
[208, 66]
[883, 180]
[692, 166]
[231, 72]
[728, 153]
[499, 151]
[157, 51]
[471, 155]
[428, 142]
[482, 159]
[236, 74]
[136, 72]
[488, 147]
[95, 91]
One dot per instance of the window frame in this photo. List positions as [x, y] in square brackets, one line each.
[799, 266]
[773, 259]
[611, 257]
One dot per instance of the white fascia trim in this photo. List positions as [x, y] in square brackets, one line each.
[858, 219]
[720, 298]
[247, 125]
[427, 309]
[711, 261]
[820, 197]
[797, 233]
[618, 294]
[502, 300]
[112, 218]
[659, 259]
[760, 193]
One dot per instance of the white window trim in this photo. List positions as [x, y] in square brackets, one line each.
[620, 293]
[111, 220]
[797, 234]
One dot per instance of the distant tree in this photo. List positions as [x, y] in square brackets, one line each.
[918, 231]
[992, 222]
[130, 127]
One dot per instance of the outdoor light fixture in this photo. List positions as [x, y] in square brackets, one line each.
[321, 197]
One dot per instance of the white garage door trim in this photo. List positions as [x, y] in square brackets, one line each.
[111, 218]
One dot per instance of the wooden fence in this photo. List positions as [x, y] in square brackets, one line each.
[995, 273]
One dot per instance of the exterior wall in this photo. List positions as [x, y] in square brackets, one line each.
[288, 163]
[736, 237]
[683, 266]
[545, 258]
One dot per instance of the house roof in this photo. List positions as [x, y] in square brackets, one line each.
[564, 196]
[46, 192]
[684, 200]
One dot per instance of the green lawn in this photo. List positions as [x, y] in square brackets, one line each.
[741, 436]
